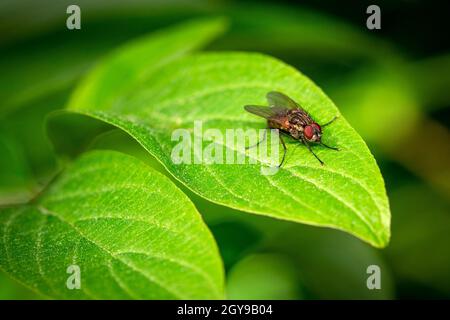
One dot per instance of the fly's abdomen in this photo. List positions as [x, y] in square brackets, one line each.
[273, 124]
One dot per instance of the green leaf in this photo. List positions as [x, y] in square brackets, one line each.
[11, 290]
[347, 193]
[129, 229]
[14, 172]
[264, 277]
[123, 69]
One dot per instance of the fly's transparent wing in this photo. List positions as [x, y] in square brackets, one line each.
[266, 112]
[278, 99]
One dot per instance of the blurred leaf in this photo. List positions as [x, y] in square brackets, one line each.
[15, 175]
[298, 31]
[28, 129]
[380, 102]
[41, 17]
[120, 71]
[175, 96]
[418, 153]
[23, 82]
[431, 79]
[384, 105]
[72, 134]
[264, 277]
[63, 55]
[125, 67]
[421, 234]
[234, 240]
[29, 159]
[332, 265]
[12, 153]
[104, 214]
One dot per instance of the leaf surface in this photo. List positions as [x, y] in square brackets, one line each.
[131, 231]
[347, 193]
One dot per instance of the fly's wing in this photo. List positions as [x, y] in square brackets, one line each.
[279, 99]
[266, 112]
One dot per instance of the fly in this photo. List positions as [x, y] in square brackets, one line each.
[290, 119]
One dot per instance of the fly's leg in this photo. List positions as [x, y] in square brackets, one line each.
[329, 122]
[310, 150]
[284, 151]
[323, 144]
[259, 142]
[264, 138]
[332, 148]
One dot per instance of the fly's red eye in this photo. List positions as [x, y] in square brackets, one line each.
[317, 127]
[309, 132]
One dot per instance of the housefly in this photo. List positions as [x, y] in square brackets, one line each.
[290, 119]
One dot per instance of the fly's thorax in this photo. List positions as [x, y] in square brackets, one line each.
[299, 117]
[298, 127]
[295, 133]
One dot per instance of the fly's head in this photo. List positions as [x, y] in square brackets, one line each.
[312, 132]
